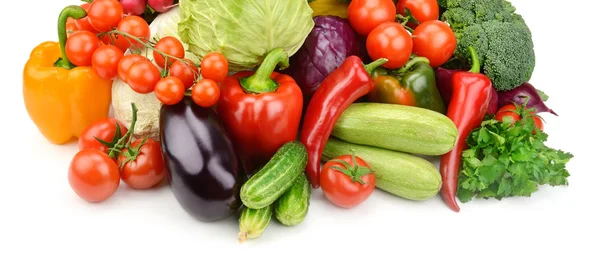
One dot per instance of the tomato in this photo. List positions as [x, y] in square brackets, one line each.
[143, 165]
[538, 123]
[136, 27]
[104, 15]
[71, 26]
[435, 41]
[343, 190]
[511, 115]
[187, 72]
[83, 24]
[93, 175]
[104, 129]
[214, 66]
[365, 15]
[421, 10]
[391, 41]
[168, 45]
[142, 76]
[80, 47]
[125, 64]
[510, 111]
[105, 61]
[206, 93]
[169, 90]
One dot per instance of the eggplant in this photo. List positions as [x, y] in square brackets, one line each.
[203, 169]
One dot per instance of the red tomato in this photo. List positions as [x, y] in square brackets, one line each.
[143, 165]
[514, 117]
[71, 27]
[93, 175]
[136, 27]
[343, 190]
[105, 15]
[421, 10]
[104, 129]
[510, 111]
[170, 46]
[214, 66]
[538, 123]
[187, 72]
[105, 61]
[142, 76]
[365, 15]
[435, 41]
[80, 47]
[83, 24]
[125, 64]
[206, 93]
[169, 90]
[391, 41]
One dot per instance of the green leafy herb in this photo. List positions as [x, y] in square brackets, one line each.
[507, 159]
[543, 95]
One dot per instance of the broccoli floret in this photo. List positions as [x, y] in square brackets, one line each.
[462, 13]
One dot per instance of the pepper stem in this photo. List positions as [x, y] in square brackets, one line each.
[373, 65]
[75, 12]
[476, 66]
[261, 81]
[411, 63]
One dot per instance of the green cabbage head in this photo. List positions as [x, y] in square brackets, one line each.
[244, 31]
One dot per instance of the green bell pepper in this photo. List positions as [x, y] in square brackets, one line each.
[412, 85]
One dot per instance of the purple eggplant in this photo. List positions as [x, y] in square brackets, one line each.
[202, 167]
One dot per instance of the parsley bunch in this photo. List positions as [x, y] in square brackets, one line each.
[508, 158]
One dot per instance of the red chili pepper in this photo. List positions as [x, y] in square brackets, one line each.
[471, 95]
[261, 111]
[342, 87]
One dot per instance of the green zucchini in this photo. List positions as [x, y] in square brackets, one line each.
[276, 177]
[254, 222]
[404, 175]
[292, 207]
[397, 127]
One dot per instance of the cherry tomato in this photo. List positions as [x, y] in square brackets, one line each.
[343, 190]
[105, 61]
[143, 165]
[136, 27]
[104, 129]
[435, 41]
[168, 45]
[214, 66]
[538, 123]
[169, 90]
[365, 15]
[391, 41]
[187, 72]
[126, 62]
[510, 111]
[206, 93]
[514, 117]
[93, 175]
[71, 26]
[421, 10]
[104, 15]
[80, 47]
[142, 76]
[83, 24]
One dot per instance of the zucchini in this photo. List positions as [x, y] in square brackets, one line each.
[397, 127]
[254, 222]
[404, 175]
[276, 177]
[292, 207]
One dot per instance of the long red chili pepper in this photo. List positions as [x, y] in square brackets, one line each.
[342, 87]
[471, 95]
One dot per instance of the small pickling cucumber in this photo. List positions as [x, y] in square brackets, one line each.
[292, 207]
[276, 177]
[254, 222]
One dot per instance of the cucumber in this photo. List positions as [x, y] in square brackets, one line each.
[254, 222]
[276, 177]
[404, 175]
[397, 127]
[292, 207]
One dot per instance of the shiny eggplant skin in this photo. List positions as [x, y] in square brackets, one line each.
[202, 167]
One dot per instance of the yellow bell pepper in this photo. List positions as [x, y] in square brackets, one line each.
[329, 7]
[62, 99]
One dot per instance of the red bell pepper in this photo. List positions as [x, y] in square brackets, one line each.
[342, 87]
[261, 111]
[471, 96]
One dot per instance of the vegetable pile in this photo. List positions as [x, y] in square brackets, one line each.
[244, 107]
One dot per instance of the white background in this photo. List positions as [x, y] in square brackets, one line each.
[41, 217]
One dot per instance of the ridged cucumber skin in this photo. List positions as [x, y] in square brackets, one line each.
[404, 175]
[397, 127]
[292, 207]
[276, 177]
[254, 222]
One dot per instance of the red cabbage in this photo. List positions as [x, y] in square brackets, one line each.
[520, 94]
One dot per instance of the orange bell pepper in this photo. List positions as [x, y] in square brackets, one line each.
[62, 99]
